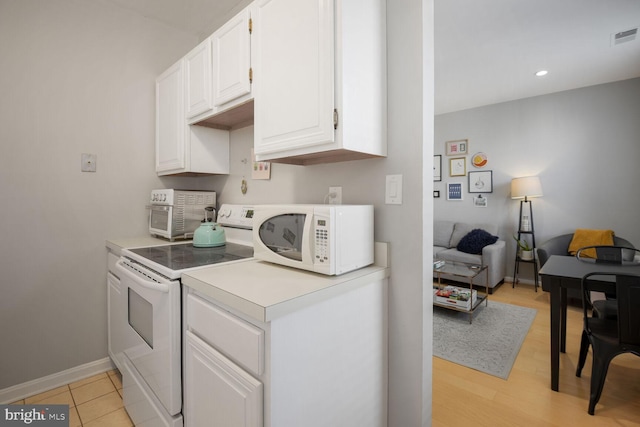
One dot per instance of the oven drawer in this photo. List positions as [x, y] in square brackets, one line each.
[239, 340]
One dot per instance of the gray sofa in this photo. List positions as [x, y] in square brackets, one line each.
[447, 235]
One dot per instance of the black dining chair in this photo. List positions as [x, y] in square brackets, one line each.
[609, 337]
[616, 255]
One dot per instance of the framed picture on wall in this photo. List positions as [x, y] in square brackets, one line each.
[437, 167]
[458, 166]
[454, 148]
[454, 191]
[481, 182]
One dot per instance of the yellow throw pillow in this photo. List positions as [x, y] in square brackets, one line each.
[585, 237]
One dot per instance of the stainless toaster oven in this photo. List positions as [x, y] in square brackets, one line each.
[175, 214]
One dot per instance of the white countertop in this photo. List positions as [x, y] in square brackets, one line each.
[266, 291]
[262, 290]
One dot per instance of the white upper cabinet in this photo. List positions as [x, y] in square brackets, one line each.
[181, 148]
[170, 123]
[232, 60]
[219, 82]
[294, 75]
[198, 75]
[319, 80]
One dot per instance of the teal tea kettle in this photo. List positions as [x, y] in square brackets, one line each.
[209, 234]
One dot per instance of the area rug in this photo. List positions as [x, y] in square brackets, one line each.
[490, 344]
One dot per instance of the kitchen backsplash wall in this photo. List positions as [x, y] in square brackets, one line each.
[297, 184]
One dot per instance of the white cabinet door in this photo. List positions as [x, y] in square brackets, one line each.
[181, 148]
[294, 74]
[198, 66]
[232, 60]
[217, 392]
[170, 121]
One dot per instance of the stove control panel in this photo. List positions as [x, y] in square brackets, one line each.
[240, 216]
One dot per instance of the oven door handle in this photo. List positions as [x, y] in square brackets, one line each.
[149, 284]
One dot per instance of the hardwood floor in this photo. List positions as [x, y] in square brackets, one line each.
[464, 397]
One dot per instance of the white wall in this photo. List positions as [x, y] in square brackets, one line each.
[77, 77]
[583, 143]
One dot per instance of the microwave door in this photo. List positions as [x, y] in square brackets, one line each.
[283, 234]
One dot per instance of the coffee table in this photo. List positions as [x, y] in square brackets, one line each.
[468, 272]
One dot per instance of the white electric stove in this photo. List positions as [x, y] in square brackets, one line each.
[146, 341]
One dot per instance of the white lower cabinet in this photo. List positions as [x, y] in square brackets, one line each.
[324, 364]
[218, 392]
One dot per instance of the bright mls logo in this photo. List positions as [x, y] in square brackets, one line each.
[37, 415]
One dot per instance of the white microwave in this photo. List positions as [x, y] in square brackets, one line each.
[326, 239]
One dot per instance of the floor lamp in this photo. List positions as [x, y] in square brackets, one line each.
[525, 188]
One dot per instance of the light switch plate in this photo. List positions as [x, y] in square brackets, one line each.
[88, 162]
[393, 190]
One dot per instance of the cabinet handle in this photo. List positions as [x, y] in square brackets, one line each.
[335, 118]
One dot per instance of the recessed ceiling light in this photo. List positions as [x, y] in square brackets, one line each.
[541, 73]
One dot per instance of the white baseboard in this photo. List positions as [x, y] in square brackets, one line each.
[20, 391]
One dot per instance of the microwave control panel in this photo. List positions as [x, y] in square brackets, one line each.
[322, 240]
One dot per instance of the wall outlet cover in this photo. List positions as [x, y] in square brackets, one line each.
[335, 195]
[88, 162]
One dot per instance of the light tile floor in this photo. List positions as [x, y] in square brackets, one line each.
[93, 402]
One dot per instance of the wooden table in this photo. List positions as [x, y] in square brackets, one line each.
[558, 274]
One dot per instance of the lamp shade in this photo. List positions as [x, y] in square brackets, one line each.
[528, 186]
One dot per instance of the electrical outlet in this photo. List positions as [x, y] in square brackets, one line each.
[335, 195]
[88, 162]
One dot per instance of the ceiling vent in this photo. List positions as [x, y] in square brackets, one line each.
[624, 36]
